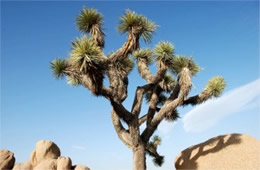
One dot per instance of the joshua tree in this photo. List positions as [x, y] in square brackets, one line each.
[164, 91]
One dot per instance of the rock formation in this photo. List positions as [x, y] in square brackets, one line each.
[23, 166]
[44, 150]
[64, 163]
[46, 156]
[233, 151]
[6, 160]
[81, 167]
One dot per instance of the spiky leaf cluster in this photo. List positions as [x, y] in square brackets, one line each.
[216, 86]
[87, 18]
[154, 143]
[158, 161]
[152, 147]
[173, 116]
[71, 80]
[144, 54]
[181, 61]
[87, 58]
[168, 83]
[85, 53]
[142, 26]
[58, 67]
[164, 51]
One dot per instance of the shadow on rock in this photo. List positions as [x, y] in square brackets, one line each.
[188, 158]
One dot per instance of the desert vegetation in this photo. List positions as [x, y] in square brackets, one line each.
[164, 91]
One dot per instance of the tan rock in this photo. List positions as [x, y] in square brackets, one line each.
[64, 163]
[81, 167]
[23, 166]
[7, 159]
[48, 164]
[44, 150]
[233, 151]
[46, 156]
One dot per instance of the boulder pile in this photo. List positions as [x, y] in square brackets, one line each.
[46, 155]
[6, 159]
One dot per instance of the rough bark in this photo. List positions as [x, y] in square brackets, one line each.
[122, 133]
[147, 75]
[118, 82]
[152, 106]
[139, 158]
[97, 35]
[184, 85]
[143, 70]
[131, 44]
[136, 107]
[142, 119]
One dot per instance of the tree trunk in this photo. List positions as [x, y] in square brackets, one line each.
[139, 158]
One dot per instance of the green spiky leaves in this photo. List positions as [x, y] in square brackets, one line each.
[216, 86]
[58, 67]
[139, 24]
[85, 53]
[180, 62]
[152, 151]
[145, 55]
[164, 51]
[87, 18]
[73, 81]
[87, 58]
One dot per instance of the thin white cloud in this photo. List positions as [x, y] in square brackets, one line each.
[78, 147]
[208, 114]
[165, 127]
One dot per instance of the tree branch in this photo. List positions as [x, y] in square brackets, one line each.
[198, 99]
[184, 83]
[122, 112]
[83, 79]
[117, 83]
[142, 119]
[158, 159]
[122, 133]
[161, 71]
[152, 105]
[131, 44]
[143, 69]
[118, 80]
[97, 35]
[146, 73]
[214, 88]
[136, 107]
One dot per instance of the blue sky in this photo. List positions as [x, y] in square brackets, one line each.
[222, 37]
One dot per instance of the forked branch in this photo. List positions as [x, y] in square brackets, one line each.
[122, 133]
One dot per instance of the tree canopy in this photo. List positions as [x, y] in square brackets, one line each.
[164, 91]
